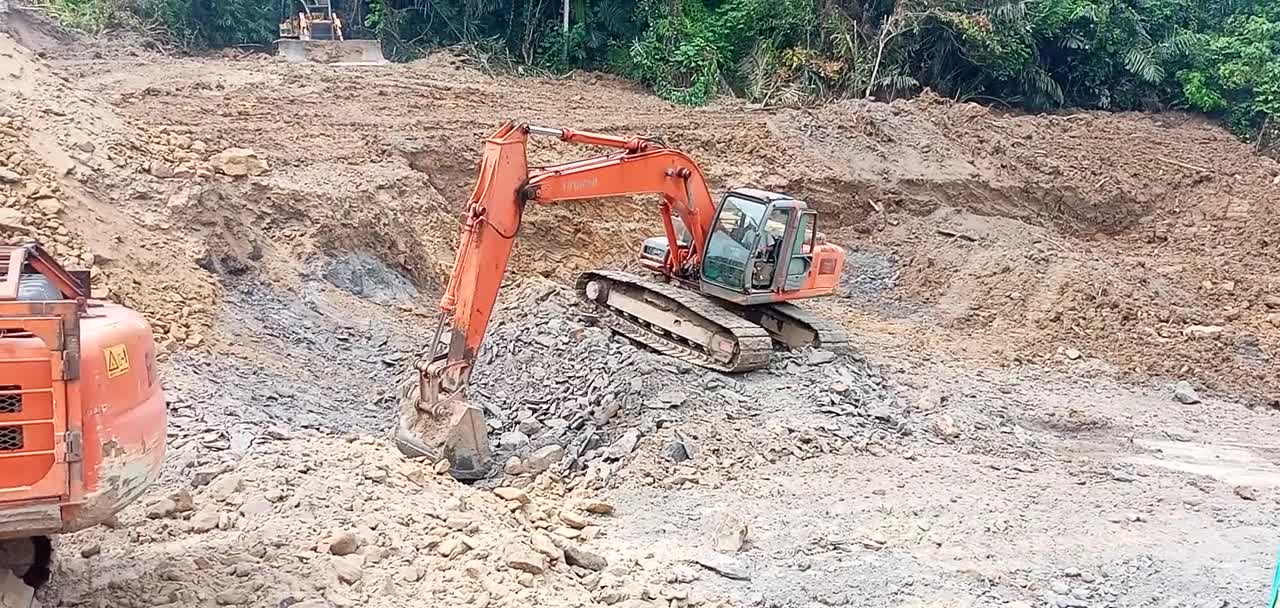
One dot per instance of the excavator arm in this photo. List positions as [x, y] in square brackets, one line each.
[440, 414]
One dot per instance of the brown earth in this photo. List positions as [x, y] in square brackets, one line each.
[1139, 240]
[1049, 273]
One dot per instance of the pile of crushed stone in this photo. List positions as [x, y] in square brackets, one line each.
[560, 392]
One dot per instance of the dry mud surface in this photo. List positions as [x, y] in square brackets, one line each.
[1025, 292]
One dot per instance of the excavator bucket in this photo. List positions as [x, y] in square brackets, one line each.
[452, 429]
[332, 52]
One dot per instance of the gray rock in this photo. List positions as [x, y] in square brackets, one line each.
[205, 519]
[724, 565]
[223, 487]
[202, 477]
[677, 451]
[12, 219]
[513, 441]
[606, 412]
[278, 433]
[349, 568]
[182, 501]
[819, 357]
[256, 505]
[526, 560]
[623, 446]
[513, 466]
[235, 596]
[49, 205]
[411, 574]
[1185, 394]
[161, 508]
[730, 535]
[343, 543]
[669, 399]
[530, 426]
[543, 458]
[945, 426]
[9, 177]
[682, 574]
[1177, 434]
[1060, 588]
[930, 399]
[238, 162]
[312, 604]
[577, 556]
[160, 169]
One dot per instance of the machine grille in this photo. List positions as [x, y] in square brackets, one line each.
[10, 404]
[10, 438]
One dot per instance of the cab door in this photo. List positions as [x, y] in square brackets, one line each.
[784, 255]
[758, 250]
[802, 239]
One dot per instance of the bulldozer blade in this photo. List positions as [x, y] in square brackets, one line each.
[333, 52]
[454, 430]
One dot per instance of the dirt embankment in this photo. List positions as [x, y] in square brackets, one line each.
[1141, 241]
[1138, 241]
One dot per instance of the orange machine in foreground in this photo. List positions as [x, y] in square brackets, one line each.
[722, 276]
[82, 415]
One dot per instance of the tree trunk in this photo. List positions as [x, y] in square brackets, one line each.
[564, 30]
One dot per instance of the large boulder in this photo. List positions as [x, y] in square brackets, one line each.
[238, 162]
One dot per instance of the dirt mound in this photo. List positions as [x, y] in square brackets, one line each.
[1138, 240]
[68, 159]
[311, 519]
[1083, 174]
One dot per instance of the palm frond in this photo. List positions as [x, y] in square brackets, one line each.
[1041, 86]
[757, 68]
[1178, 45]
[1010, 11]
[1092, 12]
[1075, 40]
[896, 84]
[1143, 65]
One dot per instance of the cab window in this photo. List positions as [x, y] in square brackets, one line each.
[734, 235]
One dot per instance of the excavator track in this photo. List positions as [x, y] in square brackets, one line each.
[797, 327]
[676, 322]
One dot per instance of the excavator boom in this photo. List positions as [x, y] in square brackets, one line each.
[437, 420]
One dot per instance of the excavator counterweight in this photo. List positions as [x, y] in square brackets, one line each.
[723, 275]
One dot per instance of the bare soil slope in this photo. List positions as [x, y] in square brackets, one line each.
[1143, 241]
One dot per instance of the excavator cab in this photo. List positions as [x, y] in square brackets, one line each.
[761, 248]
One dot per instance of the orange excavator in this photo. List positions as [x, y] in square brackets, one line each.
[82, 414]
[724, 275]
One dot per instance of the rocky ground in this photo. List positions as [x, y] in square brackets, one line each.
[1061, 391]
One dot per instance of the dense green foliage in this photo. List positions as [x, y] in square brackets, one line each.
[1216, 56]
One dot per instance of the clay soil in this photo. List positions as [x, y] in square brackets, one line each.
[1024, 291]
